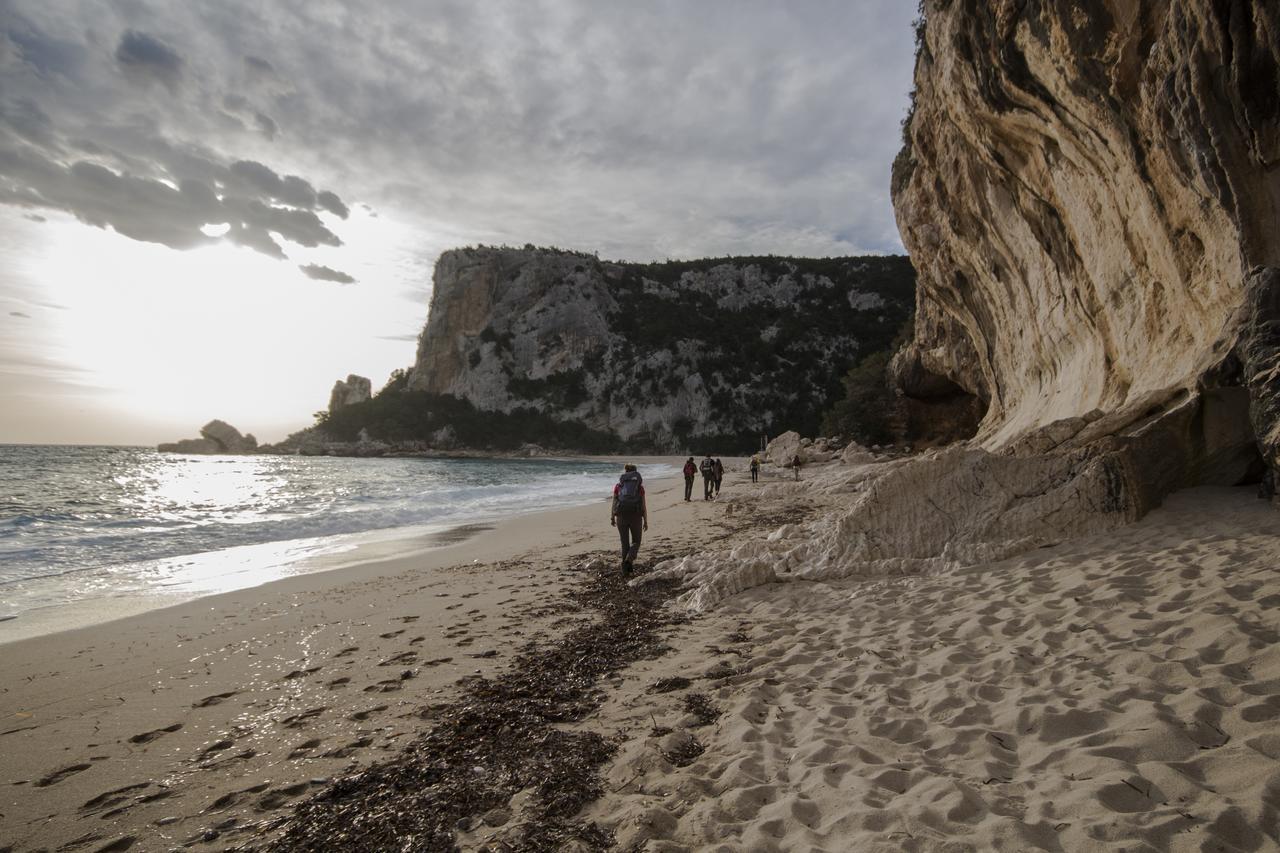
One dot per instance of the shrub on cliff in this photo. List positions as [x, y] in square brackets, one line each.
[395, 415]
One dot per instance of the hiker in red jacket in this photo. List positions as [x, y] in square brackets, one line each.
[690, 471]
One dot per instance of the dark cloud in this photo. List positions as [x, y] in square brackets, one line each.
[19, 314]
[323, 273]
[254, 201]
[663, 129]
[269, 129]
[258, 65]
[145, 58]
[332, 203]
[34, 217]
[47, 56]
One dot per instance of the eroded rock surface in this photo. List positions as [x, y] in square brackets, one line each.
[355, 389]
[1084, 191]
[657, 354]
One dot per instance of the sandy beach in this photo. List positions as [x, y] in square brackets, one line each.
[161, 726]
[1119, 691]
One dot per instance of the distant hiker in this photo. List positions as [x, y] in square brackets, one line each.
[755, 468]
[629, 513]
[719, 474]
[795, 463]
[708, 469]
[690, 471]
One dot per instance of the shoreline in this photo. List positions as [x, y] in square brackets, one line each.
[1121, 684]
[335, 553]
[161, 725]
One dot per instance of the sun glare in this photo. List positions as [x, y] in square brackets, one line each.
[218, 331]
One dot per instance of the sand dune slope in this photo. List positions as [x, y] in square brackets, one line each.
[1119, 692]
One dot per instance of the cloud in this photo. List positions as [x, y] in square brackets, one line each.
[19, 314]
[146, 59]
[258, 65]
[268, 127]
[152, 191]
[558, 122]
[323, 273]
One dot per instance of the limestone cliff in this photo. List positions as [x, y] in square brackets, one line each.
[657, 354]
[355, 389]
[1090, 193]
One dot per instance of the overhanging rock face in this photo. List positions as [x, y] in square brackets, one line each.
[1090, 192]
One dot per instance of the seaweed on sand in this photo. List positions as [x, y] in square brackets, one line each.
[499, 738]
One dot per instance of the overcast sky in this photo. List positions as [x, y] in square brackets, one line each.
[215, 209]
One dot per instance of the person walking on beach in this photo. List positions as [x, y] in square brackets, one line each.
[719, 474]
[755, 468]
[690, 471]
[795, 463]
[629, 512]
[708, 469]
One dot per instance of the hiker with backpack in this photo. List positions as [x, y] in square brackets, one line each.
[629, 513]
[708, 469]
[690, 471]
[719, 474]
[755, 468]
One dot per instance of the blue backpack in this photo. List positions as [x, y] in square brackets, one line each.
[629, 499]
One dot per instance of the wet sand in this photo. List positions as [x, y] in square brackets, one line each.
[1115, 692]
[226, 710]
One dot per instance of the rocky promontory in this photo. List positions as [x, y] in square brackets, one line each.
[215, 437]
[656, 354]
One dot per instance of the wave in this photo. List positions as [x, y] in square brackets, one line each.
[147, 508]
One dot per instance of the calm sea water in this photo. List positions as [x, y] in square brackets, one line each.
[82, 522]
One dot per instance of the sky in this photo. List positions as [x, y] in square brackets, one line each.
[216, 208]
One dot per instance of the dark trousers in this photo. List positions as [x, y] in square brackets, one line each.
[688, 488]
[717, 485]
[629, 529]
[708, 483]
[755, 474]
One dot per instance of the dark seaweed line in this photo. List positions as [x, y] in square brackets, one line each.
[499, 738]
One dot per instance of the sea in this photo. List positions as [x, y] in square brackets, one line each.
[90, 524]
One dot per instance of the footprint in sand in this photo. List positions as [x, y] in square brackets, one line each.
[348, 750]
[299, 673]
[231, 798]
[118, 845]
[403, 657]
[114, 797]
[58, 775]
[217, 746]
[297, 721]
[388, 686]
[215, 699]
[361, 716]
[390, 634]
[278, 797]
[338, 682]
[349, 650]
[147, 737]
[303, 748]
